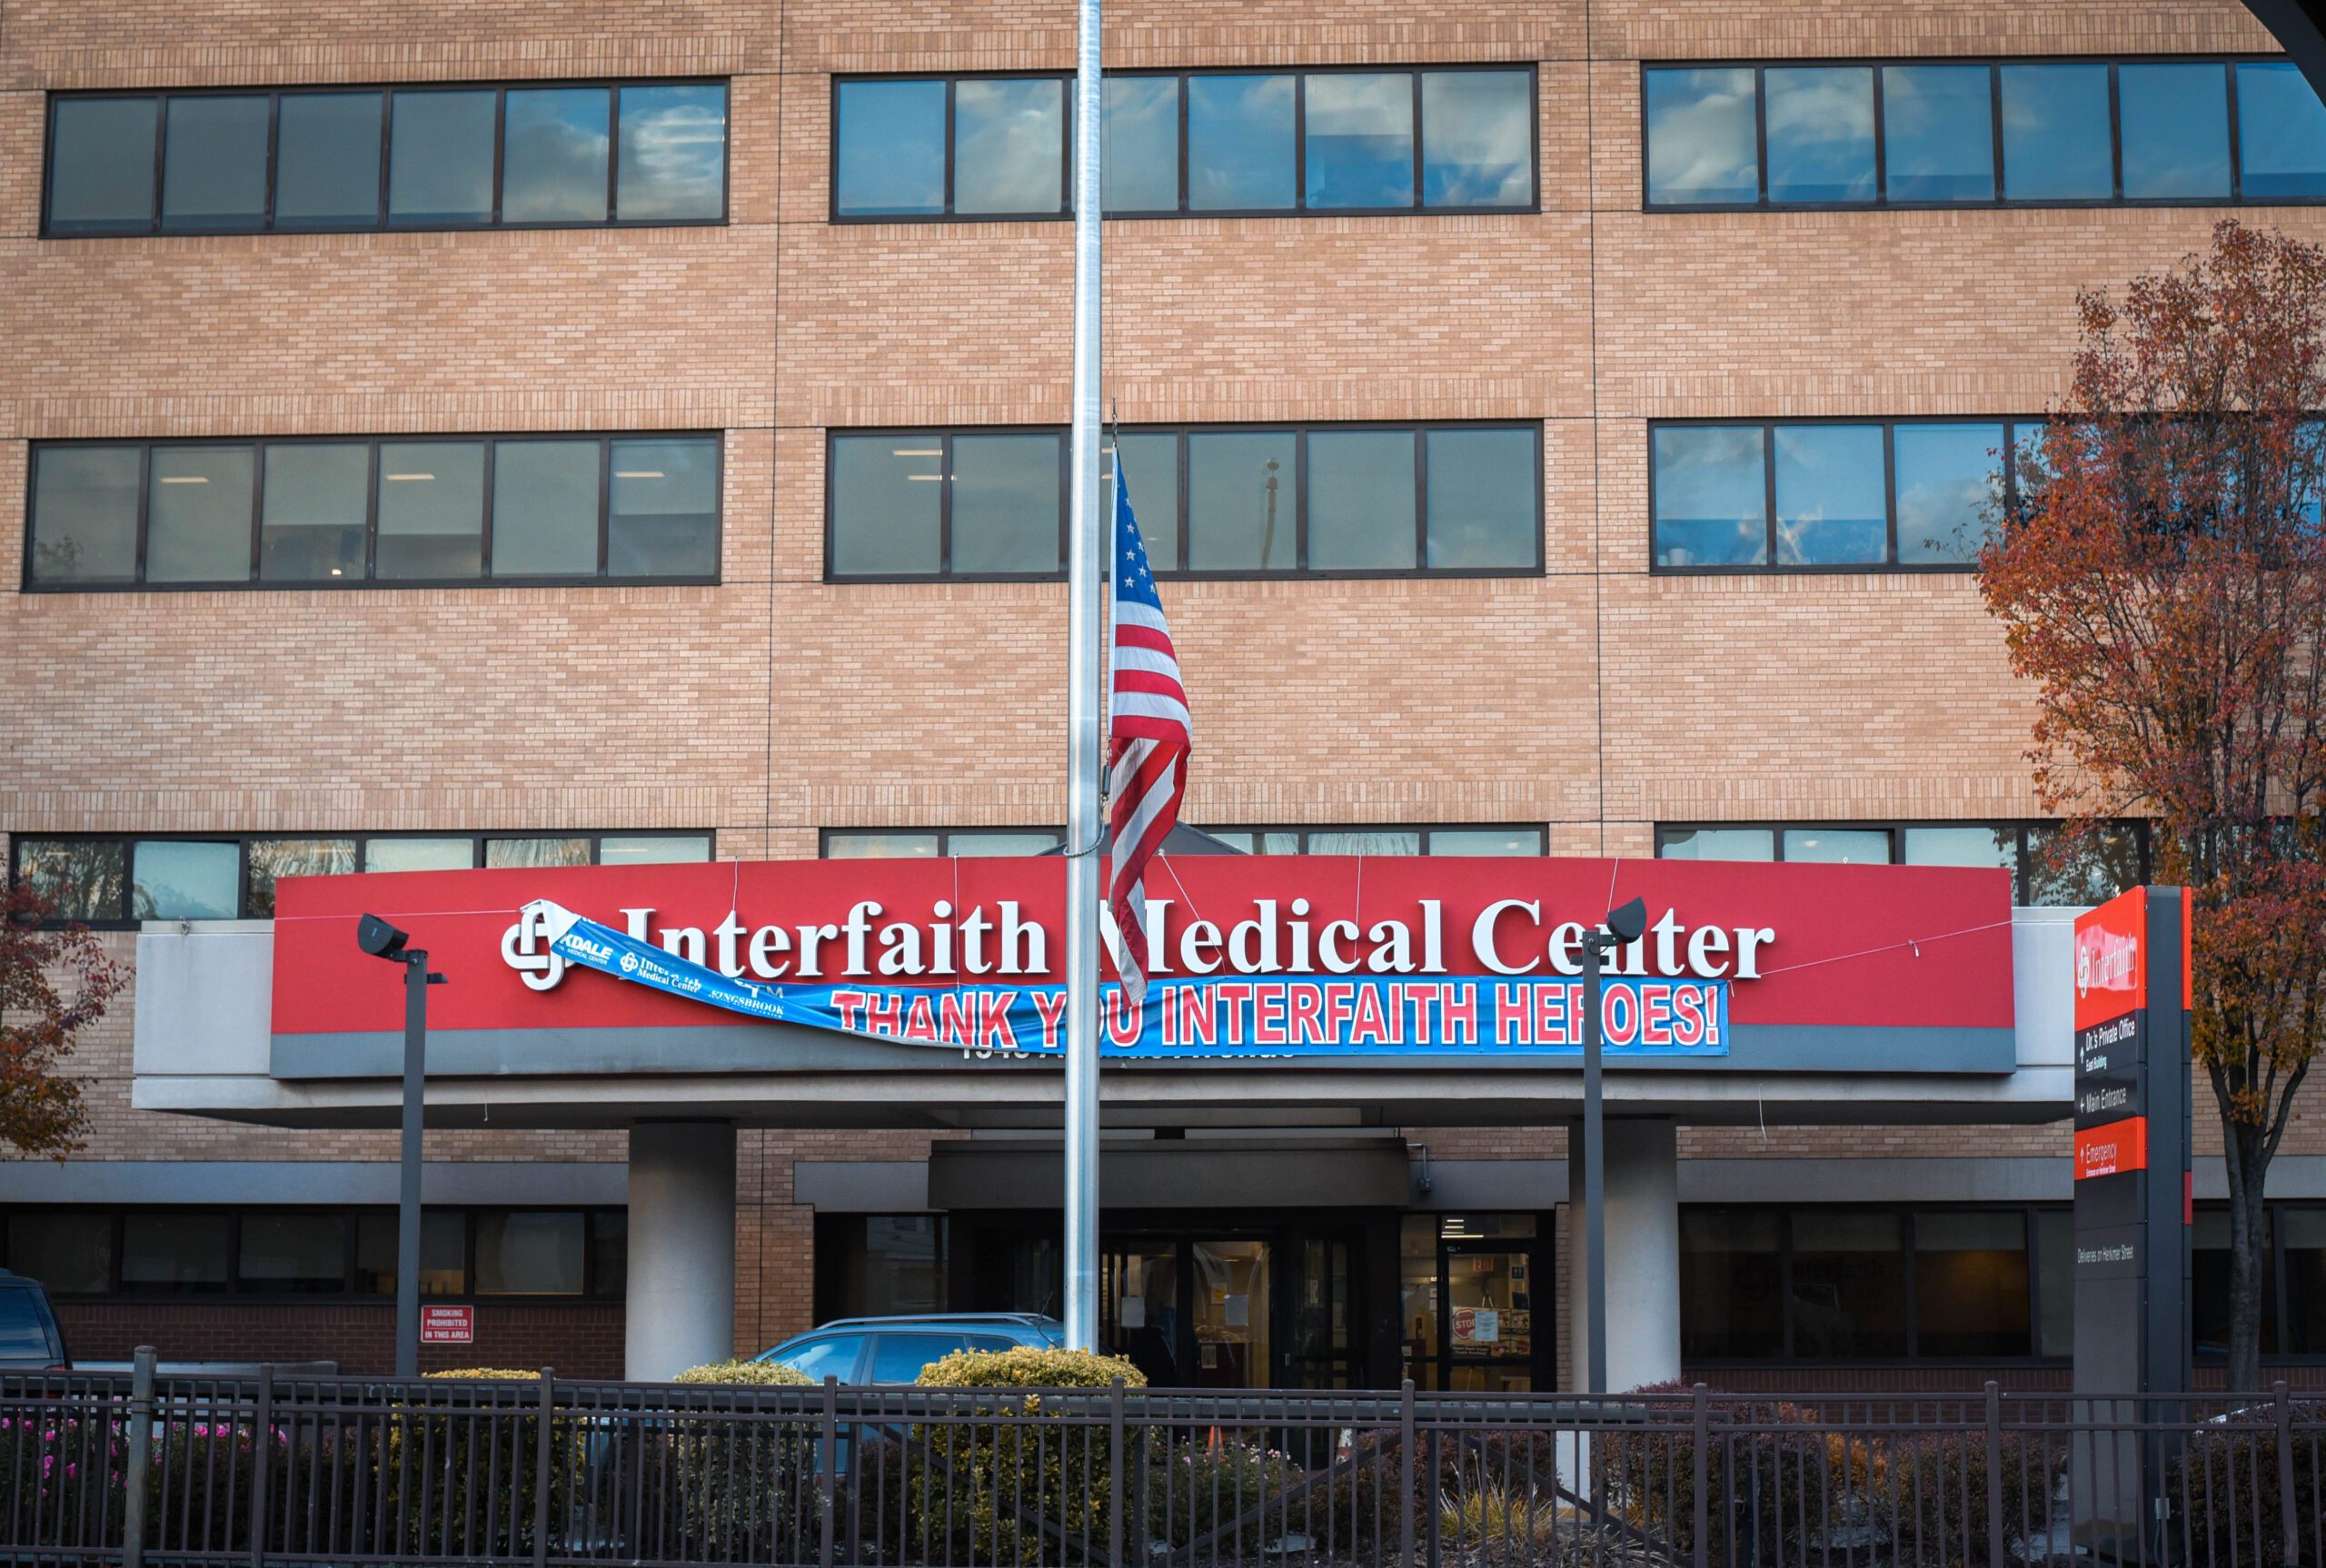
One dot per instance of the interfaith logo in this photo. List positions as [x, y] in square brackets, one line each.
[524, 949]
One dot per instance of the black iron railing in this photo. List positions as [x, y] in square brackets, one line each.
[356, 1471]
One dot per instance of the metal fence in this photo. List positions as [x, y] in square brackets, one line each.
[355, 1471]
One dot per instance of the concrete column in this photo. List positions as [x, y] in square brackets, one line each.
[680, 1309]
[1642, 1253]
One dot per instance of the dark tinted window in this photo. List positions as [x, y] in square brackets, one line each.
[304, 1253]
[536, 1253]
[556, 142]
[2056, 142]
[1243, 502]
[1484, 498]
[198, 513]
[1358, 140]
[545, 507]
[1820, 134]
[25, 1331]
[887, 502]
[215, 167]
[900, 1357]
[440, 157]
[1938, 129]
[674, 156]
[70, 1251]
[2176, 131]
[314, 513]
[1701, 136]
[1362, 493]
[1239, 143]
[101, 165]
[1006, 501]
[327, 160]
[891, 148]
[1849, 1285]
[2280, 132]
[1970, 1284]
[172, 1253]
[1732, 1297]
[85, 513]
[431, 509]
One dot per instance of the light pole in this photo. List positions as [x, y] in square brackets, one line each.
[1626, 925]
[382, 941]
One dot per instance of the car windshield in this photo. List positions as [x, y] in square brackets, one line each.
[834, 1356]
[24, 1327]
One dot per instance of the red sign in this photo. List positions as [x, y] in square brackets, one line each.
[1918, 948]
[447, 1325]
[2112, 959]
[2112, 1150]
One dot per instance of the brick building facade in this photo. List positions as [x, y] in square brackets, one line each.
[1596, 699]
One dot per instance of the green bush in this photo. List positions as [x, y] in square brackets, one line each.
[1361, 1508]
[1196, 1490]
[464, 1477]
[1780, 1487]
[765, 1373]
[1011, 1490]
[1939, 1485]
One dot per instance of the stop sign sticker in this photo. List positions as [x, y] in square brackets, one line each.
[447, 1325]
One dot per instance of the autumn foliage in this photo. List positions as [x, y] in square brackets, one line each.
[55, 982]
[2163, 587]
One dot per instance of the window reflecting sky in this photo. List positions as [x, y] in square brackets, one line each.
[553, 162]
[440, 157]
[1701, 137]
[1831, 506]
[1239, 143]
[1361, 500]
[1711, 496]
[1138, 167]
[1949, 486]
[1359, 149]
[674, 154]
[2056, 144]
[1478, 138]
[1010, 145]
[2282, 132]
[1821, 133]
[2176, 130]
[891, 147]
[1938, 133]
[215, 167]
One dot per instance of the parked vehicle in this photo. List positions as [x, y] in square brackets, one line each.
[29, 1337]
[895, 1349]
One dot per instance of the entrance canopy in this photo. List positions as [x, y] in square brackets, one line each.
[1287, 991]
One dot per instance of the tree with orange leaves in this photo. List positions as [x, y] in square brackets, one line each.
[2163, 585]
[55, 982]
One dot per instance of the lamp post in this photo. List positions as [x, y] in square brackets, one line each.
[1626, 925]
[382, 941]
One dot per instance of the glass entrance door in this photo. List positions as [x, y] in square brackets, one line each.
[1139, 1313]
[1470, 1307]
[1231, 1314]
[1321, 1320]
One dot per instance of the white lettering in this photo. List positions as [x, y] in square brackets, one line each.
[1482, 941]
[1023, 949]
[1567, 948]
[1432, 937]
[858, 925]
[1667, 932]
[1329, 948]
[1749, 942]
[766, 942]
[1199, 947]
[1251, 943]
[1393, 949]
[901, 949]
[729, 932]
[1708, 951]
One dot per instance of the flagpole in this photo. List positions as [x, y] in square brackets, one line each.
[1087, 545]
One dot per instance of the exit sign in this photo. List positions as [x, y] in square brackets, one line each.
[447, 1325]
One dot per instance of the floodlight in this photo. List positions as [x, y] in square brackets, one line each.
[380, 939]
[1628, 923]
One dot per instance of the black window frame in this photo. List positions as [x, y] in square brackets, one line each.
[1299, 207]
[1906, 1214]
[2014, 431]
[1427, 831]
[123, 921]
[501, 89]
[2024, 828]
[1177, 571]
[1994, 65]
[491, 441]
[352, 1216]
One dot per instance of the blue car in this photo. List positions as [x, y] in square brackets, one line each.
[891, 1350]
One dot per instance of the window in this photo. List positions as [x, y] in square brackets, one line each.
[310, 159]
[1448, 138]
[1380, 840]
[1867, 1283]
[880, 844]
[1978, 133]
[1832, 495]
[341, 513]
[2046, 867]
[832, 1355]
[106, 881]
[1327, 500]
[879, 1265]
[313, 1250]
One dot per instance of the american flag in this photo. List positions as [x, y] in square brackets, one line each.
[1149, 733]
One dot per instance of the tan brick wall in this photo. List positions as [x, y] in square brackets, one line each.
[1596, 699]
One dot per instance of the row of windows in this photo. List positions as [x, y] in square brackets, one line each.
[1871, 1283]
[307, 1252]
[961, 842]
[2048, 867]
[327, 512]
[116, 880]
[1923, 492]
[1235, 502]
[1932, 135]
[338, 159]
[1219, 142]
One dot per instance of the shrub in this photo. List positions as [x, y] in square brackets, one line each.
[2224, 1483]
[1361, 1509]
[486, 1374]
[1494, 1515]
[1778, 1485]
[766, 1373]
[1197, 1490]
[463, 1474]
[1939, 1485]
[1011, 1491]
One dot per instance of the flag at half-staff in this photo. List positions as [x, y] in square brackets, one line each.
[1149, 736]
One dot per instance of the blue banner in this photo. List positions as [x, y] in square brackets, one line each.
[1210, 1017]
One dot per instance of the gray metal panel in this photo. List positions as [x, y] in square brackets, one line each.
[246, 1182]
[1487, 1185]
[861, 1187]
[1374, 1175]
[205, 996]
[2022, 1180]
